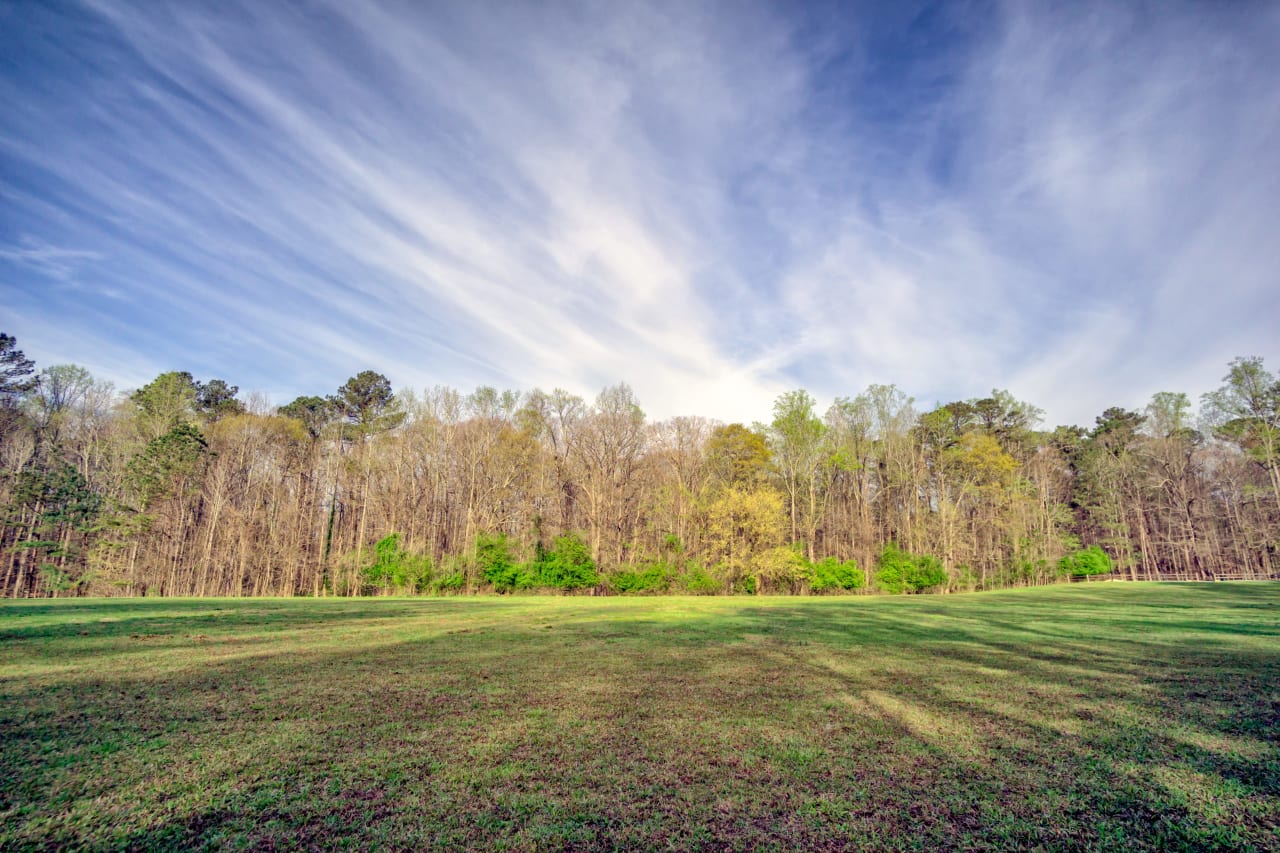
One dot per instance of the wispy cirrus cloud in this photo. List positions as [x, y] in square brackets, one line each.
[711, 202]
[50, 261]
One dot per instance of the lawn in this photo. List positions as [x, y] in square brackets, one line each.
[1106, 716]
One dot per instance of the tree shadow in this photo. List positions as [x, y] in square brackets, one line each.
[750, 726]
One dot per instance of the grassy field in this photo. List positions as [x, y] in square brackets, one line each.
[1102, 717]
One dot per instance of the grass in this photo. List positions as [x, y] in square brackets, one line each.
[1103, 717]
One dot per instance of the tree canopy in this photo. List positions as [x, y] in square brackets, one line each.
[177, 487]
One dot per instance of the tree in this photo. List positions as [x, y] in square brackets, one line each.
[607, 453]
[61, 388]
[682, 446]
[15, 382]
[557, 420]
[15, 372]
[1168, 414]
[165, 403]
[1107, 465]
[796, 436]
[1004, 416]
[981, 460]
[738, 456]
[782, 568]
[53, 507]
[741, 525]
[315, 413]
[850, 525]
[1246, 412]
[1172, 464]
[158, 508]
[216, 399]
[367, 402]
[200, 499]
[169, 465]
[896, 487]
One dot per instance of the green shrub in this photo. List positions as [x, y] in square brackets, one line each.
[1087, 561]
[900, 572]
[395, 570]
[696, 580]
[451, 582]
[831, 575]
[891, 573]
[496, 565]
[930, 573]
[651, 578]
[568, 565]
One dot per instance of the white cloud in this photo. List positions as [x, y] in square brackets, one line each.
[50, 261]
[698, 200]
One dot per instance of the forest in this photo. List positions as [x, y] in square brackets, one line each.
[183, 488]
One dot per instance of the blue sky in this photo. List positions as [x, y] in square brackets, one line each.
[712, 202]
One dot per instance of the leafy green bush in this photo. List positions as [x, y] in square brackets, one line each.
[900, 572]
[891, 573]
[830, 575]
[497, 566]
[696, 580]
[396, 570]
[1087, 561]
[651, 578]
[568, 565]
[454, 581]
[457, 573]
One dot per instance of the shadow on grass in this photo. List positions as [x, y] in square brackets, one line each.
[52, 618]
[820, 726]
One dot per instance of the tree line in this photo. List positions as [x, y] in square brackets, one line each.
[181, 487]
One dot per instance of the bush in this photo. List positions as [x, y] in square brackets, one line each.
[395, 570]
[457, 573]
[450, 582]
[1087, 561]
[568, 565]
[781, 569]
[496, 565]
[696, 580]
[900, 572]
[830, 575]
[653, 578]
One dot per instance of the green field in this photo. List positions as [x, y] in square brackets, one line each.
[1102, 717]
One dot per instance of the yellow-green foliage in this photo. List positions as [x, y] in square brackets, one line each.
[742, 524]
